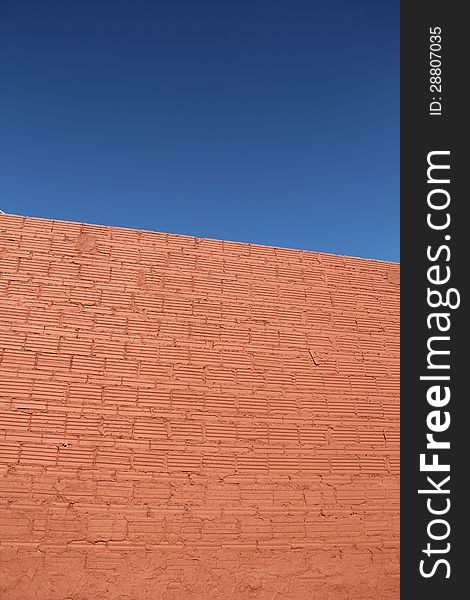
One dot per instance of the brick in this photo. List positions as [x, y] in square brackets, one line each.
[222, 414]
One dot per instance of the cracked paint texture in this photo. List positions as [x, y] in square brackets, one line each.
[185, 418]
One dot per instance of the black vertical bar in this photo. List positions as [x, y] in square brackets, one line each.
[425, 128]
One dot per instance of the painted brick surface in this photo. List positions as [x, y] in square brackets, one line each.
[185, 418]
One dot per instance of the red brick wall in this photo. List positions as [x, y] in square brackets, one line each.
[184, 418]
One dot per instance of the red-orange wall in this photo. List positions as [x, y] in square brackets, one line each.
[184, 418]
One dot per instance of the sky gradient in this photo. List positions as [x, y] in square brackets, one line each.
[271, 122]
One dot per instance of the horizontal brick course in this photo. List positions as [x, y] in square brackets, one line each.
[190, 418]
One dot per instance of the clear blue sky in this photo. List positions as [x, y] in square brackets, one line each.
[272, 122]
